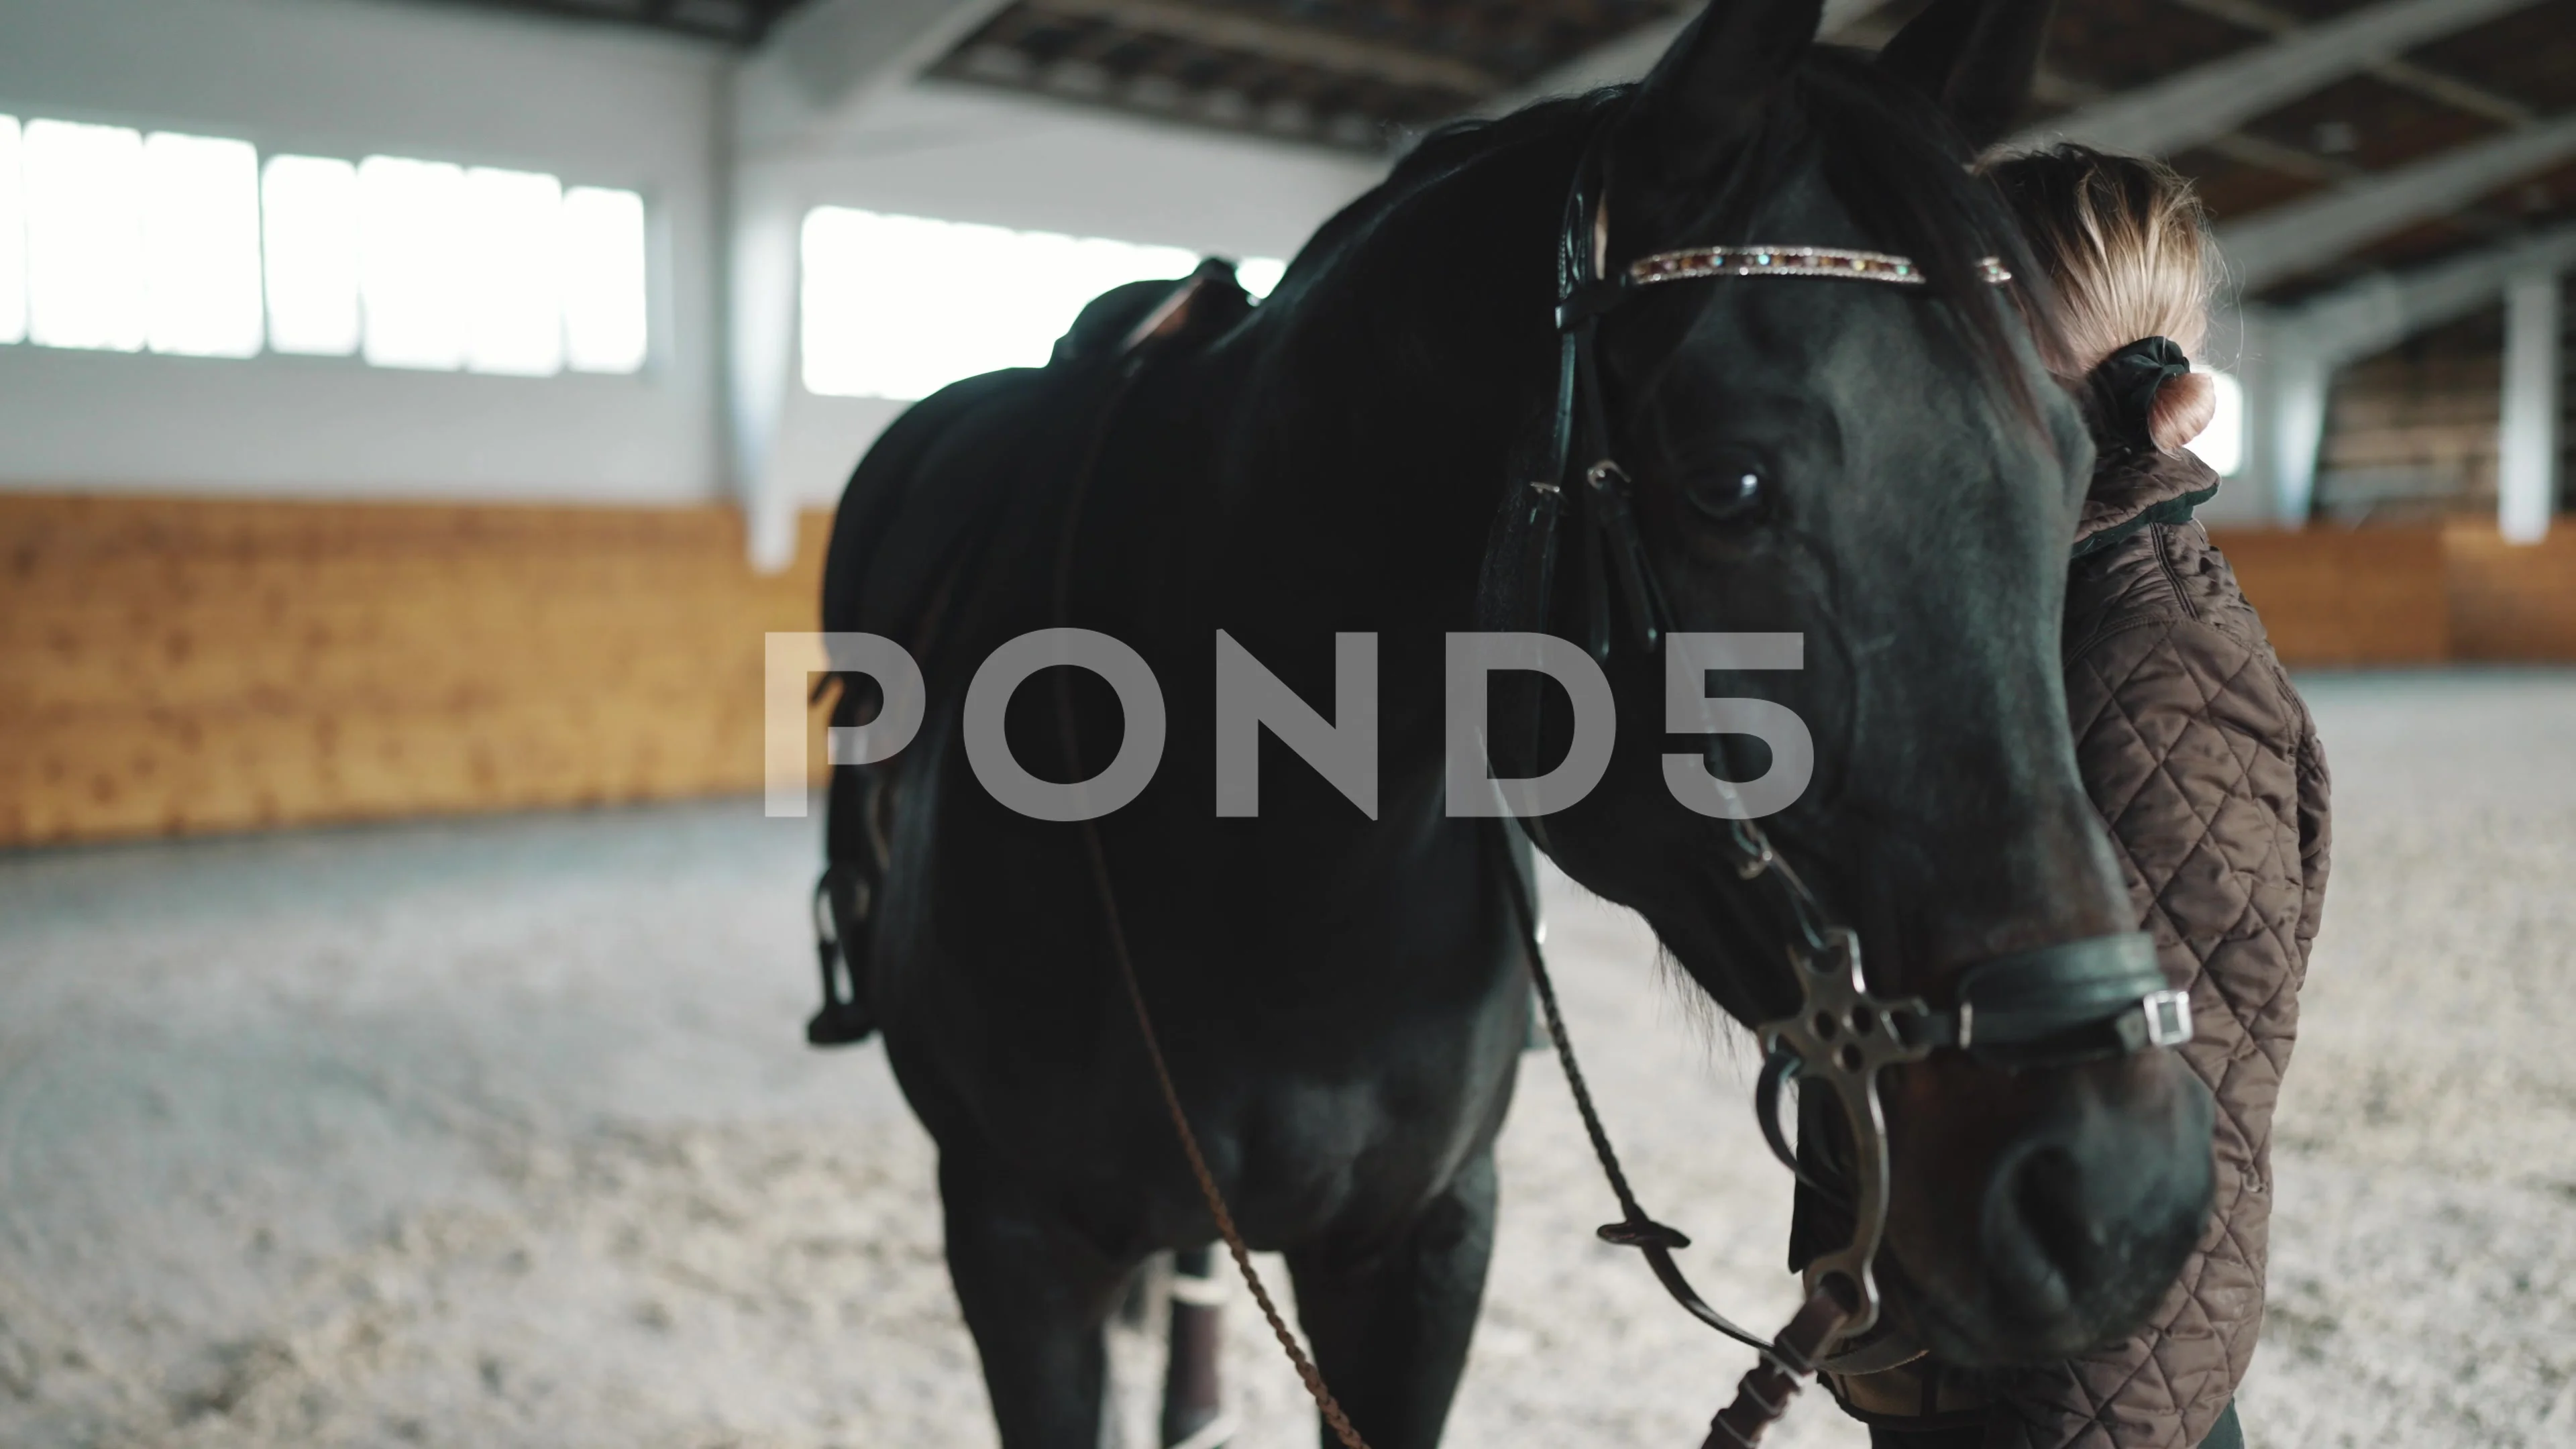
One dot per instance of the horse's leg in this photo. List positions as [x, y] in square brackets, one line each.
[1390, 1324]
[1193, 1409]
[1035, 1295]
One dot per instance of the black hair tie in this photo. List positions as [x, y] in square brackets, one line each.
[2126, 382]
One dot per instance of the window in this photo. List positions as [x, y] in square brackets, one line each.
[309, 215]
[409, 237]
[900, 306]
[604, 283]
[200, 202]
[513, 270]
[84, 235]
[13, 235]
[2222, 444]
[117, 241]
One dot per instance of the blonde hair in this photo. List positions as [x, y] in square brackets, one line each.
[2127, 249]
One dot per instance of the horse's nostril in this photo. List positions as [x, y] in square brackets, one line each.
[2048, 1198]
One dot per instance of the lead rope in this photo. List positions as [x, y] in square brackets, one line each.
[1763, 1394]
[1325, 1404]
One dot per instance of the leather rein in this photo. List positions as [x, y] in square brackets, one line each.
[2075, 1001]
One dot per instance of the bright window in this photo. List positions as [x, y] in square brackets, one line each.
[1260, 274]
[2222, 444]
[410, 236]
[84, 200]
[309, 208]
[604, 291]
[900, 306]
[201, 245]
[13, 236]
[187, 244]
[513, 269]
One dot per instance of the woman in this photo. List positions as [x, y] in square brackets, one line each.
[2205, 767]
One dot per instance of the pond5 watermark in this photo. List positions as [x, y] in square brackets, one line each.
[1249, 699]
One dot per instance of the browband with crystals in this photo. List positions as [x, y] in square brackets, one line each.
[1757, 261]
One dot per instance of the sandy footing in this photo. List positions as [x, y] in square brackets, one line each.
[500, 1134]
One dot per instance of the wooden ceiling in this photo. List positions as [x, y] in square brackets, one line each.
[1366, 74]
[1356, 73]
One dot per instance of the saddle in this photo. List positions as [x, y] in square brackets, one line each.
[975, 473]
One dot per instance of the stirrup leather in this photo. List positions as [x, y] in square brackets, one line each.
[842, 900]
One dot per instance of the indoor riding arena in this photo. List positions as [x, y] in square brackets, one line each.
[536, 911]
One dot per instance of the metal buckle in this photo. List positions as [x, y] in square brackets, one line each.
[2168, 1015]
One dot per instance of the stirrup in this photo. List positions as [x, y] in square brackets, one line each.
[844, 1019]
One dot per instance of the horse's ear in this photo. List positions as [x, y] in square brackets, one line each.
[1977, 58]
[1709, 90]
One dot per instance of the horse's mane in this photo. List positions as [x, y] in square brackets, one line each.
[1905, 174]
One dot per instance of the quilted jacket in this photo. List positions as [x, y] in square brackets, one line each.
[2205, 766]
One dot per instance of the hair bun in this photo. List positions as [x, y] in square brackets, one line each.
[2181, 410]
[2147, 394]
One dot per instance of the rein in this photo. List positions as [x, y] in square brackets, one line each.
[1165, 322]
[2066, 1003]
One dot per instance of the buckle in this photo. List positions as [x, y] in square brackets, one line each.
[2168, 1017]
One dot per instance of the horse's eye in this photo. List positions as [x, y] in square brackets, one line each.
[1733, 492]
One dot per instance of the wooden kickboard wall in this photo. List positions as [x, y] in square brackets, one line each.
[2364, 597]
[177, 666]
[180, 666]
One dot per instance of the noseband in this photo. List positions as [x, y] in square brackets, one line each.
[2063, 1004]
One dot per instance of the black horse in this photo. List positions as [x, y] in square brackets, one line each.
[1886, 470]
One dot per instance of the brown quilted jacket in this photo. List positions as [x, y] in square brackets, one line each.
[2205, 766]
[2206, 769]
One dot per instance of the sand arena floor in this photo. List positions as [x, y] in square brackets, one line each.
[500, 1134]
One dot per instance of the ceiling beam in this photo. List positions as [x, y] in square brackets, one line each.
[2285, 240]
[2056, 88]
[2208, 101]
[1274, 40]
[825, 59]
[2379, 312]
[2404, 74]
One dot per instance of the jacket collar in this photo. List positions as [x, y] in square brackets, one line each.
[2133, 488]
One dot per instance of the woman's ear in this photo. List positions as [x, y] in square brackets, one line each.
[1708, 93]
[1977, 58]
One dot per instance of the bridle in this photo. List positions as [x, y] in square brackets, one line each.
[2058, 1005]
[2072, 1002]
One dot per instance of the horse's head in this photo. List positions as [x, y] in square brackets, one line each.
[1889, 472]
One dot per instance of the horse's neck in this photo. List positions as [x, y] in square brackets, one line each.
[1366, 448]
[1371, 442]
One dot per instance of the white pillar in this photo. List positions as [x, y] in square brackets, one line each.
[2527, 434]
[2296, 382]
[761, 276]
[792, 103]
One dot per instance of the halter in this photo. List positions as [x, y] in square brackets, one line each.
[2067, 1003]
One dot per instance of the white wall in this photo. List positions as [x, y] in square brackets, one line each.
[593, 104]
[348, 78]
